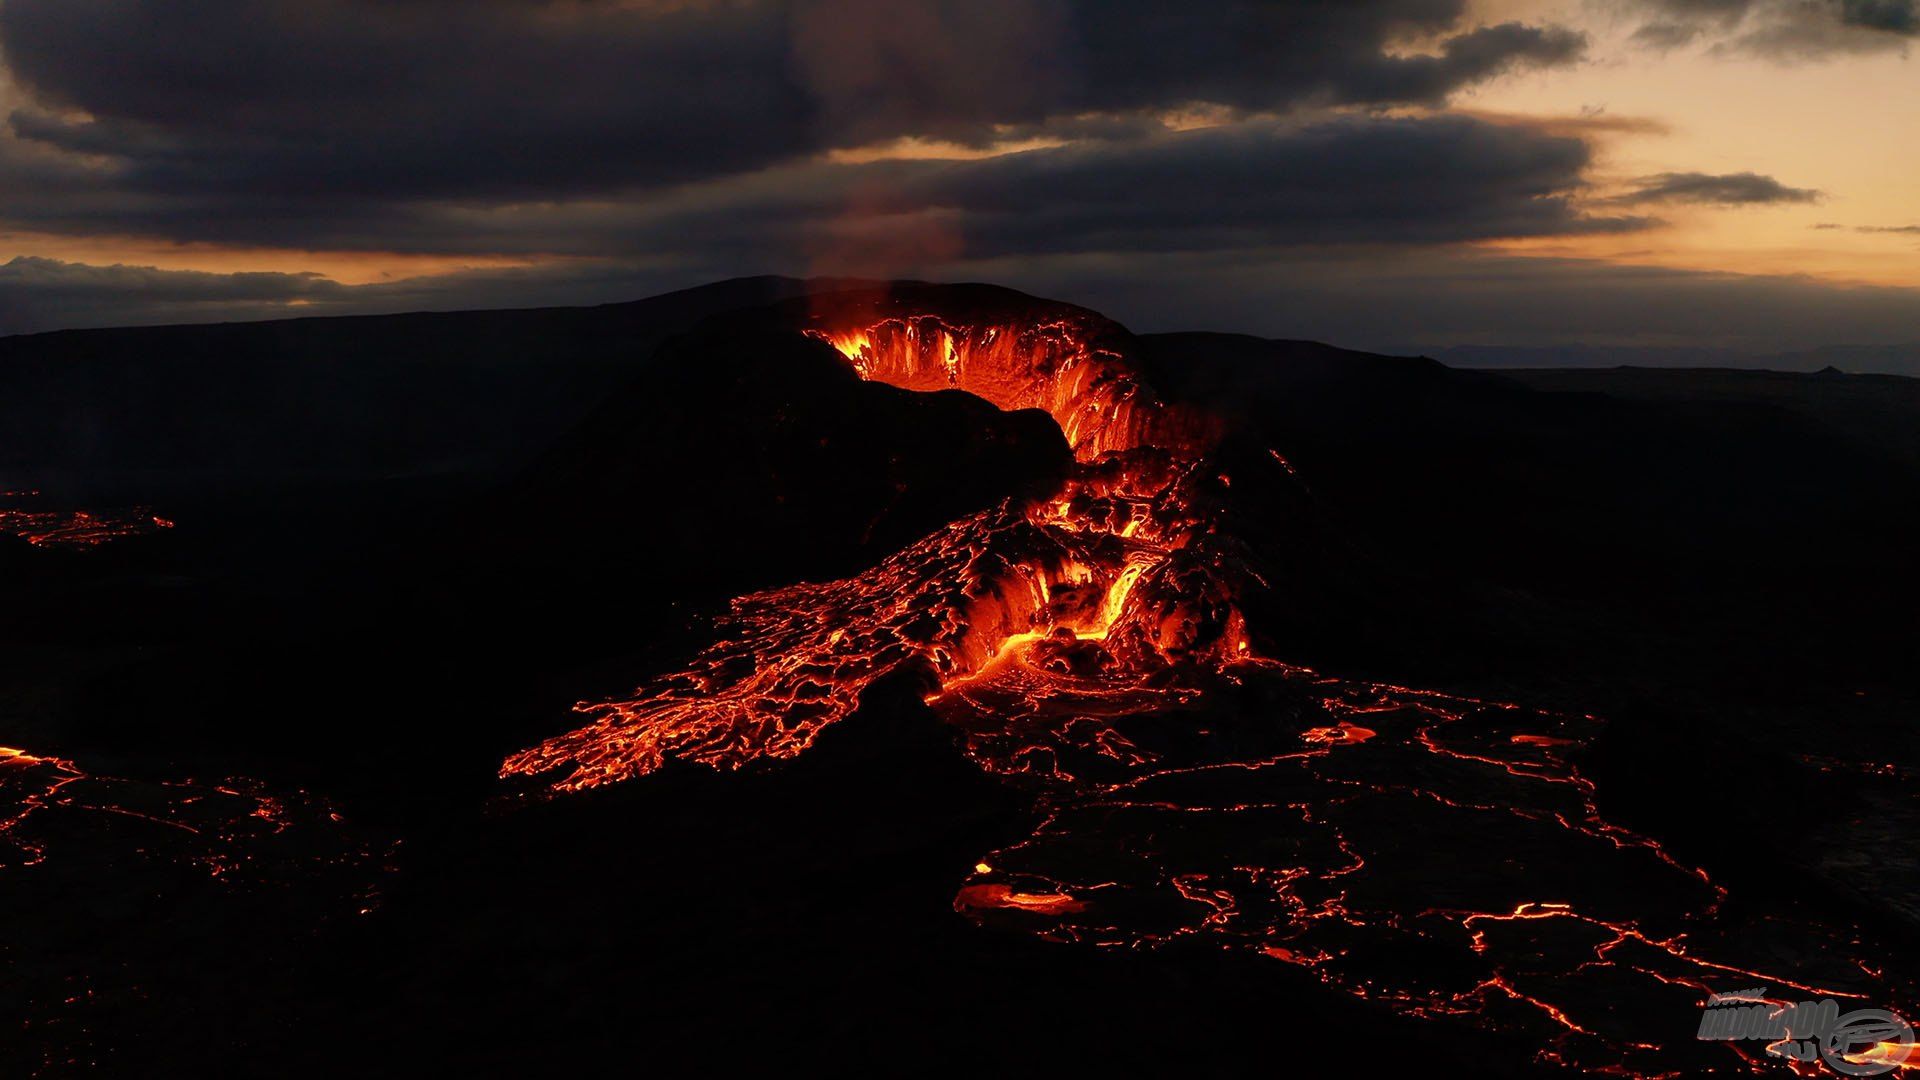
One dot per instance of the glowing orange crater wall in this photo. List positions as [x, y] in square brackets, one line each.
[1094, 395]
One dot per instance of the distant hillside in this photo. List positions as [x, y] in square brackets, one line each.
[154, 410]
[1855, 359]
[1880, 410]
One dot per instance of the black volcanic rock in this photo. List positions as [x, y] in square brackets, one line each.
[1729, 568]
[1493, 528]
[798, 916]
[728, 462]
[743, 460]
[161, 411]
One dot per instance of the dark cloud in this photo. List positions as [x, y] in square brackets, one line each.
[1892, 16]
[953, 67]
[1353, 179]
[1431, 180]
[305, 100]
[1262, 185]
[696, 131]
[1357, 180]
[1898, 230]
[342, 99]
[1667, 35]
[1727, 11]
[160, 286]
[1722, 189]
[48, 294]
[1373, 299]
[1139, 196]
[1386, 301]
[1783, 29]
[40, 294]
[1162, 57]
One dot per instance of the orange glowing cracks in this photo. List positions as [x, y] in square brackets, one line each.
[1091, 643]
[1111, 578]
[21, 516]
[226, 829]
[1098, 399]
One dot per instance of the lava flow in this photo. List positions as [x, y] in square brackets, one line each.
[1116, 571]
[72, 529]
[214, 826]
[1439, 855]
[162, 869]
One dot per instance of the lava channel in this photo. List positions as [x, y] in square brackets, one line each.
[1439, 855]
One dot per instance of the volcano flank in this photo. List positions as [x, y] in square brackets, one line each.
[957, 671]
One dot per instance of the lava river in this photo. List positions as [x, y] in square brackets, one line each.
[1442, 856]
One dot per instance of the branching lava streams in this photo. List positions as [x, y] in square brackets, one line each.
[1447, 859]
[164, 866]
[214, 826]
[71, 529]
[1116, 570]
[1439, 855]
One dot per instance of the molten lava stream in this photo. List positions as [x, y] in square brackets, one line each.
[71, 529]
[1105, 560]
[106, 881]
[1091, 644]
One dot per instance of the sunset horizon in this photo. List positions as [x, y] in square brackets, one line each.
[1062, 538]
[1534, 167]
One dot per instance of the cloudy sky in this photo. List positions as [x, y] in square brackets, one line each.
[1370, 172]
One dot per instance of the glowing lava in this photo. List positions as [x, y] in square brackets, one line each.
[139, 868]
[72, 529]
[1096, 397]
[44, 800]
[1440, 855]
[1115, 572]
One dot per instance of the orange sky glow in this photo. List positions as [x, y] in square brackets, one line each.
[1842, 126]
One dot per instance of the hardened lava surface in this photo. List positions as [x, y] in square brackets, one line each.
[160, 875]
[1441, 856]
